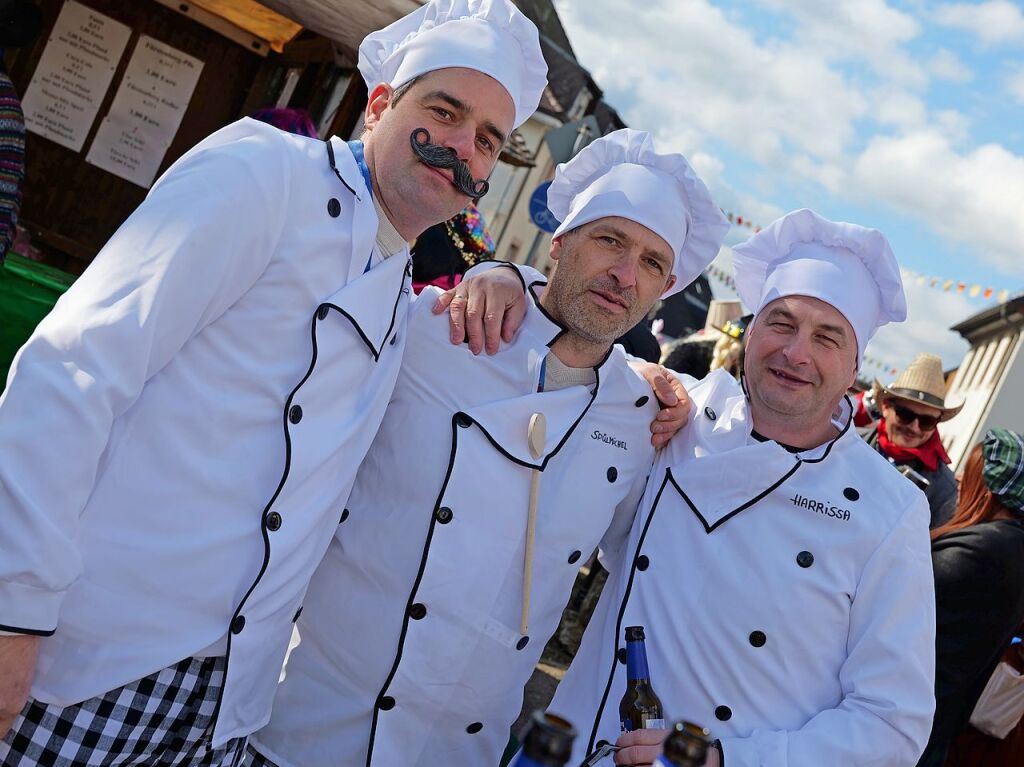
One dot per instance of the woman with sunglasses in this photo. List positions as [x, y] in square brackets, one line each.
[978, 559]
[907, 434]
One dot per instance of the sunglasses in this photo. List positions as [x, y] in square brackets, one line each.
[906, 416]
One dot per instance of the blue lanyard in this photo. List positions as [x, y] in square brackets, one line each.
[543, 369]
[356, 147]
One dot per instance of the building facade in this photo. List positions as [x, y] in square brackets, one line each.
[990, 379]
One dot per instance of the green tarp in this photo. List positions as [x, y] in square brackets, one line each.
[28, 290]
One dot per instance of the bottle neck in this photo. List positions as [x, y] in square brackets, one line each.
[636, 661]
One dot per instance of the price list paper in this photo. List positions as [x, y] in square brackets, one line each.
[73, 74]
[147, 109]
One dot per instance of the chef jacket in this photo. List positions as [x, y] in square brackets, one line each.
[180, 434]
[787, 598]
[411, 651]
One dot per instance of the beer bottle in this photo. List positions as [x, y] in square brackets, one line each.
[640, 706]
[548, 742]
[686, 746]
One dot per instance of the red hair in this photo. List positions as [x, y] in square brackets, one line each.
[976, 503]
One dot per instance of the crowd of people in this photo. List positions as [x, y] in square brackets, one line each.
[295, 392]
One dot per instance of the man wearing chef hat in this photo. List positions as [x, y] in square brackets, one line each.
[420, 628]
[779, 565]
[213, 381]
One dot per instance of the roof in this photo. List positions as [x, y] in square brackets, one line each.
[517, 152]
[607, 118]
[346, 22]
[543, 14]
[1008, 314]
[255, 18]
[566, 78]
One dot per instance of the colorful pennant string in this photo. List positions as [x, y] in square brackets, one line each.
[976, 290]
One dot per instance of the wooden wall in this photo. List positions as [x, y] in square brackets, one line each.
[71, 207]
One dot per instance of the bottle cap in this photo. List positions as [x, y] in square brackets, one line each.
[549, 739]
[634, 633]
[687, 743]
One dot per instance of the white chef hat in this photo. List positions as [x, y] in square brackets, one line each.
[847, 266]
[490, 36]
[621, 174]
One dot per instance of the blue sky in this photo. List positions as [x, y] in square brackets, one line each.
[905, 116]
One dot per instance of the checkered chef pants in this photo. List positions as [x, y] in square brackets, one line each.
[254, 758]
[158, 720]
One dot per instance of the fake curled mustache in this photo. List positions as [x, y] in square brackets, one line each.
[442, 157]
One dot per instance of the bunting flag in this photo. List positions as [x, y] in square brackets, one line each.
[873, 362]
[974, 291]
[721, 275]
[737, 220]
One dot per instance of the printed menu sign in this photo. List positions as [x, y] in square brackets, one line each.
[146, 112]
[73, 74]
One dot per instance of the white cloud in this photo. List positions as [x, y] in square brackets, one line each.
[955, 125]
[946, 65]
[683, 67]
[898, 107]
[708, 167]
[930, 313]
[1015, 85]
[711, 169]
[811, 122]
[976, 197]
[871, 31]
[993, 22]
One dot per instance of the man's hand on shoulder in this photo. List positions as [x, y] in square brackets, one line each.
[487, 309]
[675, 402]
[17, 667]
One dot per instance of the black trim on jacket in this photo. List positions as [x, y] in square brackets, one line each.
[288, 446]
[764, 493]
[622, 614]
[468, 421]
[334, 167]
[707, 529]
[27, 632]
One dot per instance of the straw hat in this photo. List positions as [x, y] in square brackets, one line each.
[921, 382]
[721, 312]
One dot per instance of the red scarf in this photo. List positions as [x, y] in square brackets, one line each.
[929, 454]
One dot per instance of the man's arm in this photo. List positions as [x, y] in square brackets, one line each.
[489, 305]
[17, 664]
[185, 256]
